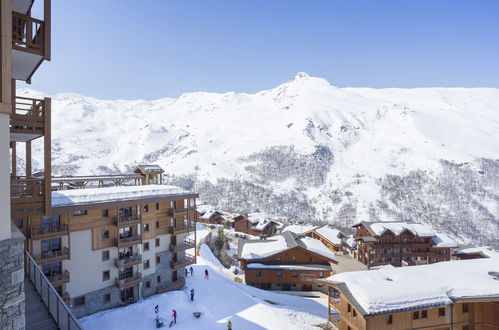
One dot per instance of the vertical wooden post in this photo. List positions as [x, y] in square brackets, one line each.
[5, 56]
[28, 159]
[47, 168]
[14, 159]
[47, 18]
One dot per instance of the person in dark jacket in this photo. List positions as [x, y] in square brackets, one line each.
[192, 294]
[174, 317]
[229, 325]
[192, 270]
[186, 272]
[206, 274]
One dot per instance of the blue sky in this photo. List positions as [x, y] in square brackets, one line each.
[151, 49]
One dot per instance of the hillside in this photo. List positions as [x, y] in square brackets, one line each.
[305, 150]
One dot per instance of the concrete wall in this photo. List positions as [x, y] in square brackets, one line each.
[4, 177]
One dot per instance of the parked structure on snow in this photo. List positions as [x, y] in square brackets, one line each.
[256, 224]
[284, 262]
[461, 294]
[476, 253]
[400, 243]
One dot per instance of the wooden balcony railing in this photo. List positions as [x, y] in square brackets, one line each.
[180, 283]
[127, 241]
[42, 233]
[59, 279]
[188, 260]
[128, 282]
[188, 227]
[27, 195]
[28, 116]
[127, 220]
[174, 212]
[187, 244]
[53, 256]
[128, 261]
[28, 34]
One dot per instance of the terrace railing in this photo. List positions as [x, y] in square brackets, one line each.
[28, 34]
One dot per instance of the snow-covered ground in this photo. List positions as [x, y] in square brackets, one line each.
[219, 299]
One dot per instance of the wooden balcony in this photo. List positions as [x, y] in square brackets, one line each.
[178, 284]
[188, 260]
[187, 244]
[43, 233]
[27, 120]
[128, 282]
[27, 196]
[52, 256]
[334, 303]
[59, 279]
[125, 221]
[128, 261]
[335, 321]
[127, 241]
[179, 212]
[184, 229]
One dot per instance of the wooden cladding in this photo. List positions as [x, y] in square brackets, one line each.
[27, 196]
[28, 116]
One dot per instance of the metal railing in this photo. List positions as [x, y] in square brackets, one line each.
[187, 244]
[60, 312]
[127, 220]
[128, 261]
[126, 241]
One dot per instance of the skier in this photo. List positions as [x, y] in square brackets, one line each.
[174, 317]
[229, 325]
[206, 274]
[191, 270]
[186, 272]
[192, 294]
[156, 309]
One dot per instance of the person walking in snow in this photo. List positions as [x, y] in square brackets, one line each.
[191, 270]
[174, 317]
[192, 294]
[229, 325]
[206, 274]
[186, 272]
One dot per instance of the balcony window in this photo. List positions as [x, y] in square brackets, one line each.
[124, 212]
[157, 206]
[321, 274]
[293, 258]
[158, 279]
[157, 242]
[105, 255]
[146, 264]
[146, 246]
[106, 275]
[105, 234]
[146, 208]
[51, 245]
[415, 315]
[158, 260]
[258, 273]
[441, 312]
[105, 213]
[389, 319]
[146, 227]
[424, 314]
[157, 224]
[465, 308]
[148, 284]
[79, 212]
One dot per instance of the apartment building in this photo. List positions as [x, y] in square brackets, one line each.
[400, 243]
[451, 295]
[287, 262]
[24, 46]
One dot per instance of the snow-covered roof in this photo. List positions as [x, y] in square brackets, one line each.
[350, 241]
[379, 228]
[206, 211]
[290, 266]
[149, 168]
[484, 251]
[443, 241]
[260, 249]
[404, 288]
[331, 234]
[62, 198]
[299, 229]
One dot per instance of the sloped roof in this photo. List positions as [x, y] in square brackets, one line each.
[148, 169]
[483, 251]
[397, 228]
[331, 234]
[299, 229]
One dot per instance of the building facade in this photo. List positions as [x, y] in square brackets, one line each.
[399, 243]
[254, 226]
[330, 237]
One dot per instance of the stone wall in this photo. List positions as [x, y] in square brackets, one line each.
[94, 301]
[12, 281]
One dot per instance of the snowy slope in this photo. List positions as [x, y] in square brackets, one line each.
[305, 150]
[219, 299]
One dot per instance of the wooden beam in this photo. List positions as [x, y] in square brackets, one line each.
[14, 158]
[28, 159]
[47, 18]
[5, 56]
[47, 155]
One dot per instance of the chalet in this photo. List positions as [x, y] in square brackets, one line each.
[152, 174]
[208, 214]
[400, 243]
[284, 262]
[458, 294]
[256, 224]
[299, 229]
[330, 237]
[476, 253]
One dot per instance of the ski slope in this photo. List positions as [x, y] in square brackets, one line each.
[219, 299]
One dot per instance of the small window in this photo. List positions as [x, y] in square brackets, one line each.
[79, 301]
[293, 258]
[424, 314]
[146, 246]
[146, 227]
[415, 315]
[157, 206]
[349, 308]
[80, 212]
[105, 213]
[258, 273]
[466, 327]
[148, 284]
[441, 312]
[158, 279]
[146, 264]
[157, 242]
[19, 223]
[278, 274]
[293, 285]
[107, 298]
[146, 208]
[294, 274]
[321, 274]
[278, 258]
[354, 313]
[389, 320]
[106, 275]
[158, 260]
[105, 234]
[465, 308]
[105, 255]
[157, 224]
[310, 259]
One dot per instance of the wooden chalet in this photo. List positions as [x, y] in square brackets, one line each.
[152, 174]
[330, 237]
[208, 214]
[448, 295]
[284, 262]
[400, 243]
[255, 224]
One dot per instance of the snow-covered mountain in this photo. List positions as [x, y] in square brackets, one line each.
[306, 150]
